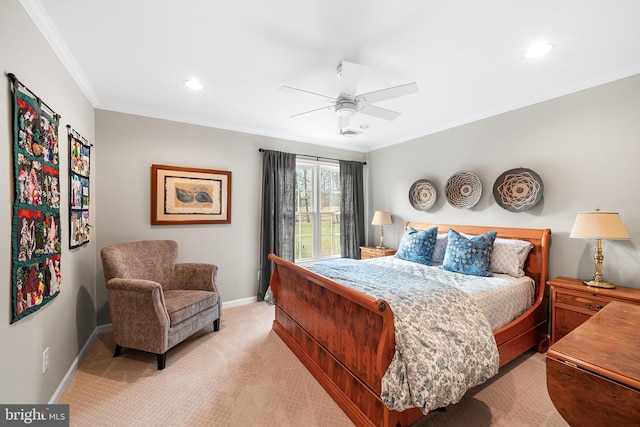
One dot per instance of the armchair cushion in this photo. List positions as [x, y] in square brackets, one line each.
[182, 304]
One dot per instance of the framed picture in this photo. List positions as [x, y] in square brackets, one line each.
[182, 195]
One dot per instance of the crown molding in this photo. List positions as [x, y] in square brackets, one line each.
[37, 13]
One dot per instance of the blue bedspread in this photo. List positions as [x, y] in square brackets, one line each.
[444, 344]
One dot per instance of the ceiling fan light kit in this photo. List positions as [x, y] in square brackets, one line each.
[347, 103]
[346, 107]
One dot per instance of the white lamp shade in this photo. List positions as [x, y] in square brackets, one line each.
[381, 218]
[599, 225]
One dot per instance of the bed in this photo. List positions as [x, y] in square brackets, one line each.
[346, 338]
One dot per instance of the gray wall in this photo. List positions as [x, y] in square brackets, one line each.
[129, 145]
[66, 323]
[585, 147]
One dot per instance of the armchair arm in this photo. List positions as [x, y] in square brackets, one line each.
[134, 285]
[196, 276]
[138, 313]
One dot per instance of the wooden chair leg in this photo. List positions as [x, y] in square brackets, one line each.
[118, 350]
[216, 324]
[162, 360]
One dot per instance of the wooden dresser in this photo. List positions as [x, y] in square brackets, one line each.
[593, 373]
[573, 303]
[373, 252]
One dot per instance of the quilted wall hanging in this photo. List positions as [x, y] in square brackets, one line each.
[79, 166]
[35, 232]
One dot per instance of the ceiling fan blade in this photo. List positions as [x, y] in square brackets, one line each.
[311, 111]
[293, 89]
[384, 94]
[381, 113]
[349, 76]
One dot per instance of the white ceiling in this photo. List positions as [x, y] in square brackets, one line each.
[466, 56]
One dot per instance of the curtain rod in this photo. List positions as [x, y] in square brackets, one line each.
[262, 150]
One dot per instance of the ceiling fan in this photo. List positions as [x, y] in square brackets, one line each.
[348, 103]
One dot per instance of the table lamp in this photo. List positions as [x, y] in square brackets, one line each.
[381, 218]
[599, 225]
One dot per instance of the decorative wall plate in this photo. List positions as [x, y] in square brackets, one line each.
[463, 190]
[422, 195]
[518, 190]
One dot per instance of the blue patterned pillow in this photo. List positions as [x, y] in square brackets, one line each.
[417, 246]
[469, 255]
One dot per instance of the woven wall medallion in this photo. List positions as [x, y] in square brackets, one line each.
[422, 195]
[518, 190]
[463, 189]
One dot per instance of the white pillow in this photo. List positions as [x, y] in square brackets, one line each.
[509, 256]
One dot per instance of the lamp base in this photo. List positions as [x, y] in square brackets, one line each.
[381, 247]
[596, 284]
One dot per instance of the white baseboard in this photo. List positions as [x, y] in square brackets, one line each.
[104, 328]
[237, 302]
[66, 380]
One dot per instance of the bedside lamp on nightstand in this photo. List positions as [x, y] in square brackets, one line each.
[599, 225]
[381, 218]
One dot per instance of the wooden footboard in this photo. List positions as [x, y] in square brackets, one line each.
[346, 338]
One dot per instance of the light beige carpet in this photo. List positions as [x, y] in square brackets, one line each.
[244, 375]
[517, 396]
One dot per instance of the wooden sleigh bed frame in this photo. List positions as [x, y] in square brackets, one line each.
[346, 338]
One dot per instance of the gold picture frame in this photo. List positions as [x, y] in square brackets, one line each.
[181, 195]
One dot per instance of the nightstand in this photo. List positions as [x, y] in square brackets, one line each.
[573, 303]
[373, 252]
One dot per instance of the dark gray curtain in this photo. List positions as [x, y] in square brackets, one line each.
[277, 233]
[351, 209]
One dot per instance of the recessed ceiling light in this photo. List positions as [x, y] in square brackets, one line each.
[194, 84]
[538, 49]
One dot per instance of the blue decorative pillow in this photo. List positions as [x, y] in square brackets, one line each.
[469, 255]
[417, 246]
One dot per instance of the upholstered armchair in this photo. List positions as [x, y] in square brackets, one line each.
[154, 302]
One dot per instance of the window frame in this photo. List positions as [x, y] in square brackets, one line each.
[316, 213]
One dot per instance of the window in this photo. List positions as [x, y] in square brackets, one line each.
[317, 210]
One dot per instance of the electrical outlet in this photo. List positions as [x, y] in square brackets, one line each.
[45, 360]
